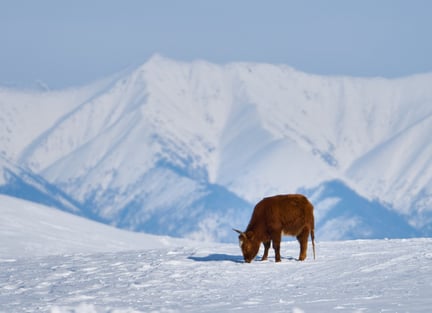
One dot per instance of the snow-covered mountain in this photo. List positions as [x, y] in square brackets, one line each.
[186, 149]
[24, 184]
[51, 261]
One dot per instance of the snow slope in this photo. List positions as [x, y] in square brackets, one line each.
[186, 276]
[28, 229]
[197, 144]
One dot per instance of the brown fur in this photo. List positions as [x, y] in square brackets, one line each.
[273, 216]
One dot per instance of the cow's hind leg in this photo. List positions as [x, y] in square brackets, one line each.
[266, 250]
[276, 239]
[303, 240]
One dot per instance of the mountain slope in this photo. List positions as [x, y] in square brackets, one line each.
[29, 229]
[24, 184]
[404, 161]
[148, 150]
[342, 213]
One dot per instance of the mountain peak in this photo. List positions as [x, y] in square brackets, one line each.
[245, 129]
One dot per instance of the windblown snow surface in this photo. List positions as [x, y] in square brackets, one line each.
[51, 261]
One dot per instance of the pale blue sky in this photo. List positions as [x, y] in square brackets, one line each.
[66, 43]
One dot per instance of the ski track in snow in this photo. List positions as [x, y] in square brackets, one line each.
[350, 276]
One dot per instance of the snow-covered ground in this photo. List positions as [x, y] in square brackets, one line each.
[351, 276]
[107, 270]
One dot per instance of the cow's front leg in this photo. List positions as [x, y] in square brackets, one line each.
[266, 250]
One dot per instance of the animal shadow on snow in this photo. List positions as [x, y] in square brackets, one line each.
[217, 257]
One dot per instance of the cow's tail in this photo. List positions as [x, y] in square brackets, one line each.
[312, 234]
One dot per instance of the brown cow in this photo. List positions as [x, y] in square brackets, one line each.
[273, 216]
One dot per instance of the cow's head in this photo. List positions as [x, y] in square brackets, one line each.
[248, 245]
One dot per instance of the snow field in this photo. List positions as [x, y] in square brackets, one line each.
[52, 261]
[350, 276]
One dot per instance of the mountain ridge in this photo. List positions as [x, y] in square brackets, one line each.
[252, 129]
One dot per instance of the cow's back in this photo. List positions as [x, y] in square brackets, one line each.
[286, 213]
